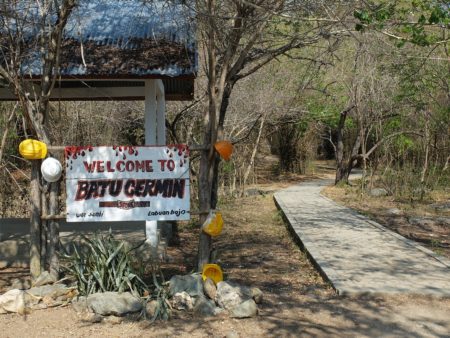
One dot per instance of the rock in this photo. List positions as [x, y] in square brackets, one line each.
[423, 222]
[229, 294]
[204, 307]
[445, 206]
[13, 301]
[182, 301]
[151, 307]
[444, 221]
[21, 284]
[80, 304]
[49, 301]
[113, 303]
[257, 295]
[219, 310]
[192, 284]
[378, 192]
[92, 318]
[54, 291]
[245, 310]
[114, 320]
[44, 278]
[209, 288]
[394, 212]
[232, 334]
[252, 192]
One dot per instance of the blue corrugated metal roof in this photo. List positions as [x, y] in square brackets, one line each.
[126, 38]
[102, 20]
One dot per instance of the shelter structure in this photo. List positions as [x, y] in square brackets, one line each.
[125, 50]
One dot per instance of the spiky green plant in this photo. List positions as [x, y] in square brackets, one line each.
[104, 264]
[163, 309]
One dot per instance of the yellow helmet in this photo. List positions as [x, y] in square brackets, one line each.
[32, 149]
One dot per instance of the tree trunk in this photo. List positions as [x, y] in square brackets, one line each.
[44, 226]
[209, 124]
[341, 168]
[204, 192]
[255, 150]
[53, 228]
[353, 159]
[35, 220]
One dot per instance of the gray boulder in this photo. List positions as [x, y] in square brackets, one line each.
[424, 222]
[151, 308]
[92, 318]
[44, 278]
[229, 294]
[13, 301]
[114, 303]
[182, 301]
[204, 307]
[80, 304]
[192, 284]
[246, 309]
[444, 221]
[378, 192]
[55, 291]
[210, 288]
[257, 295]
[443, 206]
[394, 212]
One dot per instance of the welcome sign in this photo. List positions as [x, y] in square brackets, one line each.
[127, 183]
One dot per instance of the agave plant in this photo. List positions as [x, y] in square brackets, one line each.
[104, 264]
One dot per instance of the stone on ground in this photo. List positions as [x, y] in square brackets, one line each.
[394, 212]
[192, 284]
[13, 301]
[182, 301]
[151, 308]
[92, 318]
[114, 303]
[246, 309]
[44, 278]
[114, 320]
[204, 307]
[209, 288]
[378, 192]
[257, 295]
[80, 304]
[54, 291]
[231, 294]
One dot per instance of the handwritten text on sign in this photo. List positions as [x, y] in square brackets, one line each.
[127, 183]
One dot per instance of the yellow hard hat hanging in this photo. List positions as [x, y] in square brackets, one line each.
[224, 148]
[33, 149]
[212, 271]
[213, 224]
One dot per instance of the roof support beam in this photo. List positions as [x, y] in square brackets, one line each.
[155, 134]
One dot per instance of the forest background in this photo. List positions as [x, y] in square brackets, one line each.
[363, 83]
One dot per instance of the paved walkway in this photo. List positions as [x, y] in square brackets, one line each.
[356, 254]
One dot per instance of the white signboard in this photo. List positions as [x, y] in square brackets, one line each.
[127, 183]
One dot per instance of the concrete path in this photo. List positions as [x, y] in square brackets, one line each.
[356, 254]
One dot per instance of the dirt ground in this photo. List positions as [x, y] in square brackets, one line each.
[257, 250]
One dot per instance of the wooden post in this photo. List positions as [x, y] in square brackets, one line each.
[53, 228]
[44, 228]
[35, 220]
[150, 124]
